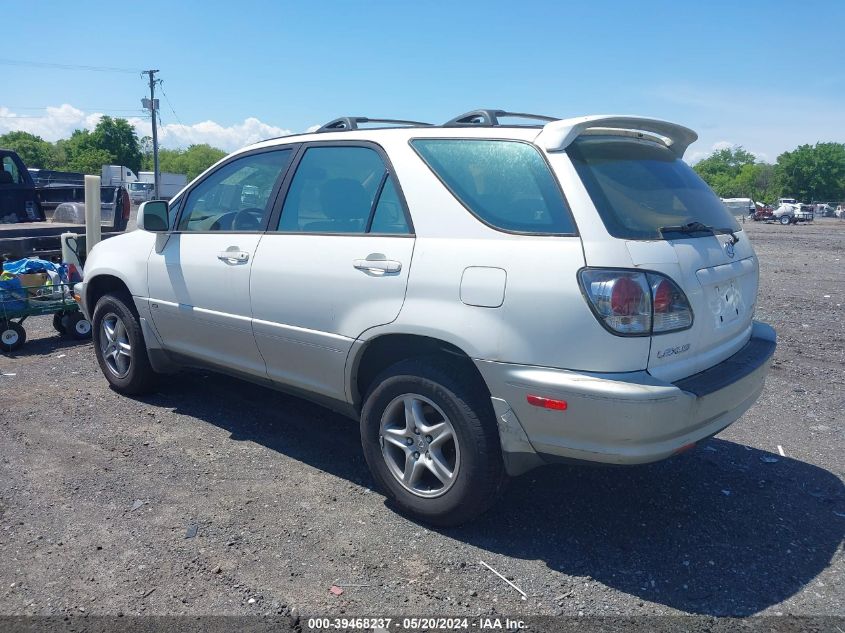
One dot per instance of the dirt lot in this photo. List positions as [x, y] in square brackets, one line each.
[101, 495]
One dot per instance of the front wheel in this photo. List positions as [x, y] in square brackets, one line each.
[120, 348]
[785, 219]
[430, 439]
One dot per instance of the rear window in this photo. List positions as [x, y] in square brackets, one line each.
[639, 187]
[506, 184]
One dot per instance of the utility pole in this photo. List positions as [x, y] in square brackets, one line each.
[152, 106]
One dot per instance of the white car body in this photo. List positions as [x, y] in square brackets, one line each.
[302, 310]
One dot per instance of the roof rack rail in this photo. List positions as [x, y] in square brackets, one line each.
[490, 118]
[351, 123]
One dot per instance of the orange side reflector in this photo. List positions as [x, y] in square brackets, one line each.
[684, 448]
[547, 403]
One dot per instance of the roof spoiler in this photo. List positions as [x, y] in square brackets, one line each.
[558, 135]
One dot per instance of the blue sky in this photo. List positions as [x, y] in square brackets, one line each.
[765, 75]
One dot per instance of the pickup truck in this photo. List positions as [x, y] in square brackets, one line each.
[790, 211]
[34, 214]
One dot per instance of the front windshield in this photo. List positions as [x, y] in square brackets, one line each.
[640, 188]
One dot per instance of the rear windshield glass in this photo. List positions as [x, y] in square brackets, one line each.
[506, 184]
[640, 187]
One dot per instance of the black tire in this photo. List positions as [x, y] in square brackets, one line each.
[58, 324]
[140, 377]
[77, 326]
[785, 220]
[480, 474]
[12, 335]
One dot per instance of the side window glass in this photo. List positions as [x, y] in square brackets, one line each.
[9, 174]
[504, 183]
[333, 191]
[236, 197]
[389, 216]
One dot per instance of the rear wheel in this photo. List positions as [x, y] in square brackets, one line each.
[12, 335]
[785, 219]
[430, 439]
[119, 346]
[58, 323]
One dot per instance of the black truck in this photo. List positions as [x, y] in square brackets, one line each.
[34, 213]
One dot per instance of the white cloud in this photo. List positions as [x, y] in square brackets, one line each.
[693, 157]
[228, 138]
[59, 122]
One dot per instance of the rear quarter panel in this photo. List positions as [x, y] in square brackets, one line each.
[544, 320]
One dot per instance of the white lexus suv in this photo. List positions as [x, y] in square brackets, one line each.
[483, 297]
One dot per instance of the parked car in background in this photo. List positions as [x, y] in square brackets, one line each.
[37, 206]
[762, 212]
[42, 238]
[790, 211]
[140, 191]
[824, 210]
[482, 298]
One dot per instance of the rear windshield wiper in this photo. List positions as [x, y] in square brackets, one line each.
[689, 227]
[698, 227]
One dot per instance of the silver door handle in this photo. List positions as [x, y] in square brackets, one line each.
[378, 265]
[233, 257]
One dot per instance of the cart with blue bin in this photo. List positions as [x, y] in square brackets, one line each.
[18, 303]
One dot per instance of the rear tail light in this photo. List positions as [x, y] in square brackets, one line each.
[126, 204]
[634, 303]
[671, 309]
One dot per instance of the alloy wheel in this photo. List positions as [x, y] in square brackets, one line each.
[419, 445]
[115, 346]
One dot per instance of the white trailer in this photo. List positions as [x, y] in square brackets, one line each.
[169, 184]
[117, 176]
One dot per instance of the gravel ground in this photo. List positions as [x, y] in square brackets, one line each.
[214, 496]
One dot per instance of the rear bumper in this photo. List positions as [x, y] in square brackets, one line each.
[627, 418]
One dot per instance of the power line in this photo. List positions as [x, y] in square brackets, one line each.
[102, 69]
[170, 105]
[42, 116]
[83, 108]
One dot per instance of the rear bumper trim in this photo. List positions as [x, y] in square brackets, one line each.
[756, 353]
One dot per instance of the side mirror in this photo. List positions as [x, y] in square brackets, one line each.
[153, 217]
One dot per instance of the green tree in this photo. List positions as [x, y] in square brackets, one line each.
[90, 160]
[721, 169]
[33, 150]
[813, 172]
[192, 161]
[756, 181]
[81, 153]
[119, 139]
